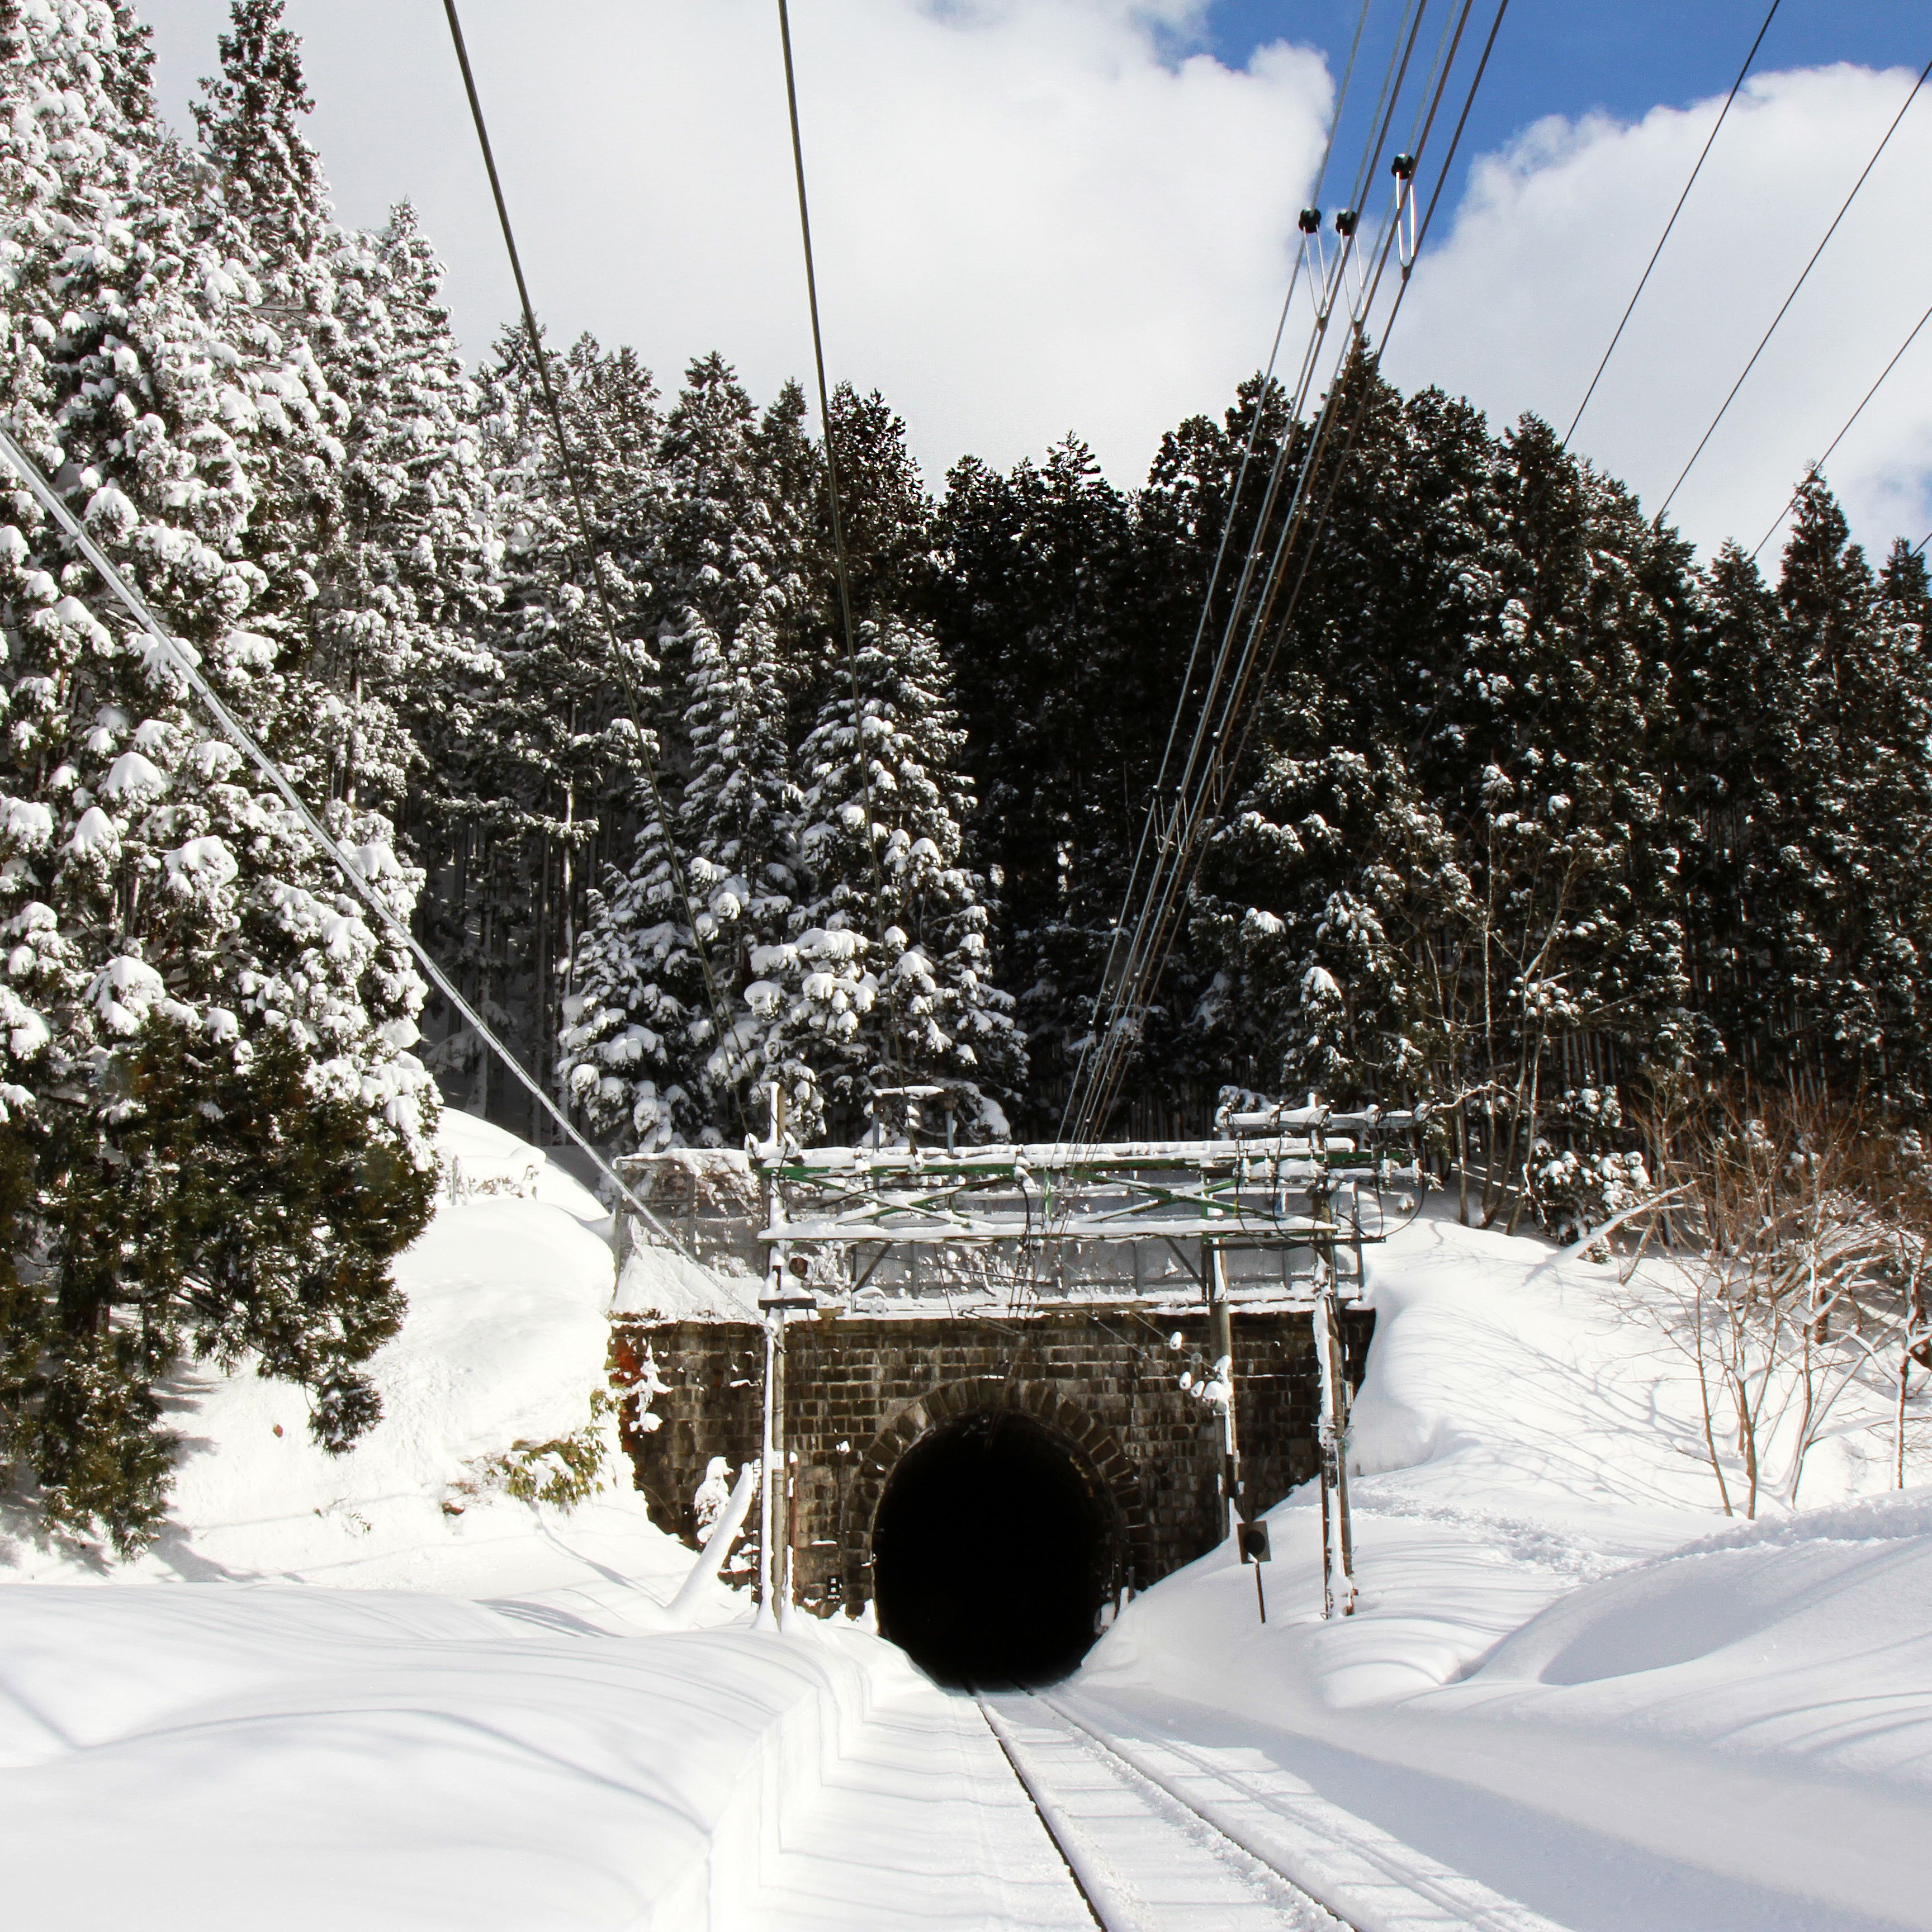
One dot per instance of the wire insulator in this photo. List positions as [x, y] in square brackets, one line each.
[1403, 167]
[1310, 221]
[1346, 219]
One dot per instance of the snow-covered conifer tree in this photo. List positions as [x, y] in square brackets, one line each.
[215, 1140]
[725, 568]
[539, 779]
[886, 975]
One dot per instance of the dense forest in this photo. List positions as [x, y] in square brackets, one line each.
[1540, 819]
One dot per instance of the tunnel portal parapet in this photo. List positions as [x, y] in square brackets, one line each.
[859, 1390]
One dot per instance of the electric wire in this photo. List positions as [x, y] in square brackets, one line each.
[1643, 281]
[1159, 929]
[841, 563]
[1152, 817]
[1154, 941]
[680, 873]
[1814, 470]
[1361, 410]
[1074, 1121]
[1165, 929]
[1803, 275]
[186, 661]
[1109, 1039]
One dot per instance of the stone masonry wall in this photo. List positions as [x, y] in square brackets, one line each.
[859, 1390]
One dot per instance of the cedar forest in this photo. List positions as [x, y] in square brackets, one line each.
[1541, 821]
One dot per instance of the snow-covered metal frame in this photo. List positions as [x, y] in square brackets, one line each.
[1302, 1177]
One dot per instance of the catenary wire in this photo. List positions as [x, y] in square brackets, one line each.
[1164, 937]
[1150, 821]
[1104, 1041]
[1812, 470]
[841, 562]
[1723, 407]
[680, 872]
[1643, 281]
[1154, 934]
[186, 661]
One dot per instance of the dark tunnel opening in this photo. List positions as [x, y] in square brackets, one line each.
[992, 1552]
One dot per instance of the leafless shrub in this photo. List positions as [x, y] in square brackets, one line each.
[1801, 1244]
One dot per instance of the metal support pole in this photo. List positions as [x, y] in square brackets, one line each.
[1221, 1348]
[767, 1462]
[1338, 1553]
[788, 1597]
[771, 1572]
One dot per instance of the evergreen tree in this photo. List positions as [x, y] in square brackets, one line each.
[887, 978]
[1034, 610]
[540, 769]
[214, 1140]
[641, 1045]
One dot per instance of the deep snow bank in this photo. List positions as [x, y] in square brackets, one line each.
[217, 1757]
[490, 1727]
[509, 1293]
[1568, 1674]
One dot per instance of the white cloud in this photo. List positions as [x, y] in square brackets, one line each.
[1032, 218]
[1515, 308]
[1028, 217]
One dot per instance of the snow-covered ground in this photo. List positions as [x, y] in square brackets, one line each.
[1569, 1678]
[506, 1339]
[1568, 1674]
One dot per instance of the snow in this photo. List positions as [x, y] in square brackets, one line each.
[1567, 1677]
[505, 1340]
[387, 1760]
[1574, 1693]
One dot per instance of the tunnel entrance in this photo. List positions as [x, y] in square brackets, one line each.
[994, 1548]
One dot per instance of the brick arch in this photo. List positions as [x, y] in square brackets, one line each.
[1095, 1448]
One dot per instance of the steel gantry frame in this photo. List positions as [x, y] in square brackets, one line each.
[1284, 1177]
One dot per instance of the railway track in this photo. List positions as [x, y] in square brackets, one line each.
[1160, 1838]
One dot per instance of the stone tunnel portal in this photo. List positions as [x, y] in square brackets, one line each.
[994, 1548]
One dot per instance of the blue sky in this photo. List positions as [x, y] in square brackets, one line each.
[1624, 57]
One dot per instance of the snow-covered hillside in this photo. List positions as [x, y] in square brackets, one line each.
[505, 1342]
[1569, 1674]
[1570, 1678]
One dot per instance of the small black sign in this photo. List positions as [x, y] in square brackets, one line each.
[1254, 1543]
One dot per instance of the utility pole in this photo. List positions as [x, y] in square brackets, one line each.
[1221, 1353]
[1338, 1554]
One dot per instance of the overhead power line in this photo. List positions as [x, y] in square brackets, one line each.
[680, 873]
[1150, 823]
[1169, 831]
[1814, 470]
[1724, 406]
[1202, 794]
[1222, 774]
[1643, 280]
[185, 661]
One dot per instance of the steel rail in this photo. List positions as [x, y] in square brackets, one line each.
[1494, 1913]
[1114, 1911]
